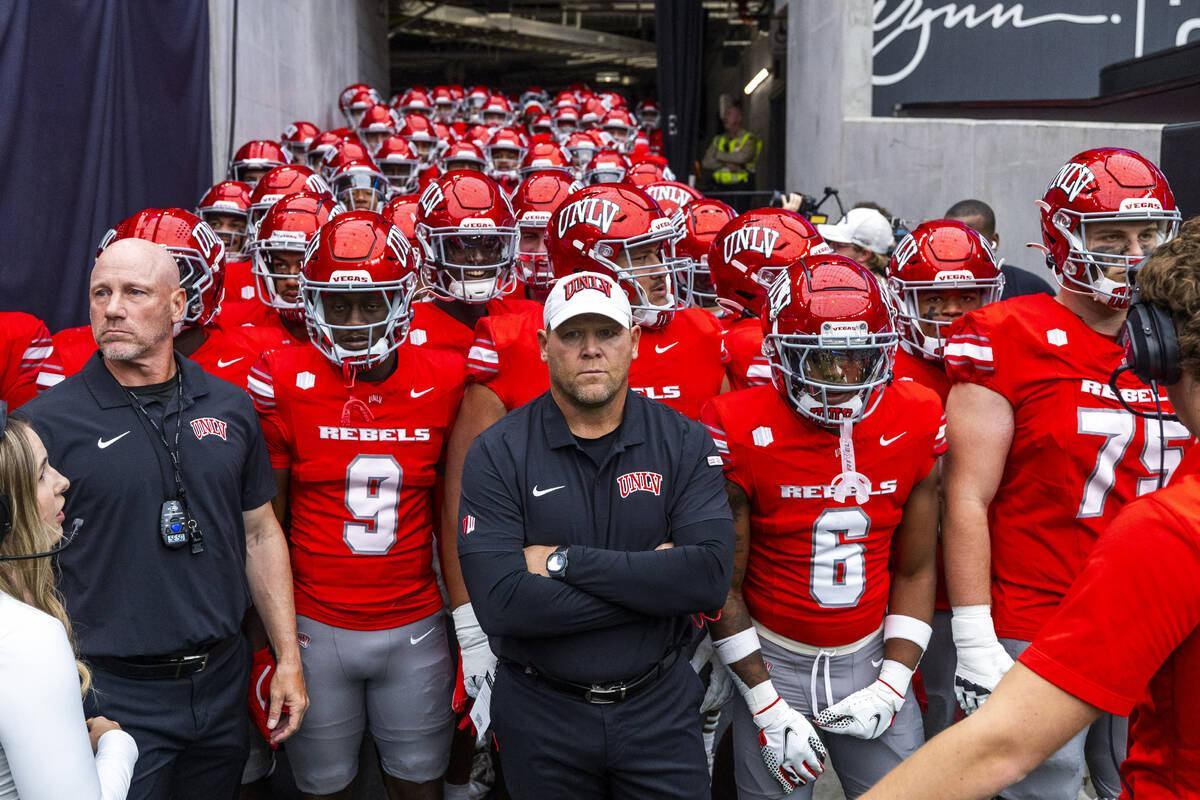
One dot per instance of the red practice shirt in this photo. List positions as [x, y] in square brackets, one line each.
[1076, 457]
[818, 570]
[24, 344]
[681, 364]
[1127, 635]
[361, 493]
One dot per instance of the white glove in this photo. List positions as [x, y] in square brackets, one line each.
[477, 659]
[720, 681]
[792, 201]
[869, 712]
[791, 748]
[982, 660]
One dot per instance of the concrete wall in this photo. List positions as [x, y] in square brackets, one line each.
[293, 58]
[917, 167]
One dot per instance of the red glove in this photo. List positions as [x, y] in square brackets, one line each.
[461, 701]
[259, 699]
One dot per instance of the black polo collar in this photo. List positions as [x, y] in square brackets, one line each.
[631, 431]
[110, 394]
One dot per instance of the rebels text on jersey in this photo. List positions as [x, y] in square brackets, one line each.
[682, 364]
[747, 364]
[360, 492]
[26, 343]
[818, 569]
[434, 329]
[1077, 457]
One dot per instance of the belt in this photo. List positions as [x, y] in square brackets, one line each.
[159, 668]
[604, 693]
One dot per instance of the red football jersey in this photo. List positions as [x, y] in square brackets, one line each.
[219, 356]
[1076, 458]
[818, 569]
[268, 334]
[924, 371]
[238, 286]
[25, 343]
[435, 329]
[1127, 635]
[747, 364]
[682, 364]
[235, 314]
[361, 492]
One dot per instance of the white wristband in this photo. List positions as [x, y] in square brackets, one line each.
[738, 646]
[972, 626]
[898, 626]
[466, 627]
[896, 676]
[760, 697]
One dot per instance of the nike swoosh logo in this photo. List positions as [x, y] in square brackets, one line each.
[876, 664]
[539, 492]
[415, 394]
[222, 363]
[885, 442]
[661, 350]
[416, 639]
[101, 443]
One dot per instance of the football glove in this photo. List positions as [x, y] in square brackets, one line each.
[719, 687]
[259, 699]
[869, 712]
[478, 662]
[791, 749]
[982, 660]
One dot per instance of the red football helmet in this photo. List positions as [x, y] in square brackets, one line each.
[566, 99]
[496, 112]
[320, 147]
[445, 104]
[253, 159]
[468, 237]
[399, 162]
[505, 150]
[357, 253]
[581, 148]
[565, 121]
[197, 250]
[647, 114]
[342, 152]
[423, 137]
[376, 124]
[699, 222]
[463, 155]
[224, 208]
[672, 195]
[620, 231]
[649, 169]
[938, 256]
[752, 249]
[297, 137]
[360, 186]
[591, 112]
[278, 248]
[401, 211]
[612, 100]
[355, 100]
[619, 125]
[475, 100]
[534, 202]
[418, 101]
[278, 184]
[541, 124]
[829, 334]
[544, 156]
[607, 166]
[1099, 189]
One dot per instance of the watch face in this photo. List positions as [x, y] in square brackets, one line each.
[556, 562]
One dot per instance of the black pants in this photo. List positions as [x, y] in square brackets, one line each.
[643, 748]
[191, 732]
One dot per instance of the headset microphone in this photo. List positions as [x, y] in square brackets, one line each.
[61, 545]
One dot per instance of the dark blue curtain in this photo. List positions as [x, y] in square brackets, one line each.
[105, 111]
[679, 36]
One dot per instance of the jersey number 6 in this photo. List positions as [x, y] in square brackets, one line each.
[839, 562]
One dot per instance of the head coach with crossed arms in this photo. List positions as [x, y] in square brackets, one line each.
[1127, 635]
[169, 472]
[593, 522]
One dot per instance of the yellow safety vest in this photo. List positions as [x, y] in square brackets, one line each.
[727, 175]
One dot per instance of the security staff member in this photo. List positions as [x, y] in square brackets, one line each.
[593, 522]
[169, 471]
[732, 155]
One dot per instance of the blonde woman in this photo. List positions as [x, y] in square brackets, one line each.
[44, 748]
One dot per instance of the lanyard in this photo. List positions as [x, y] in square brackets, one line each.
[180, 492]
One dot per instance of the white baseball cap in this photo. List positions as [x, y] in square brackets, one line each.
[586, 293]
[864, 227]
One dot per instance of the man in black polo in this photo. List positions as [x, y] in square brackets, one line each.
[593, 522]
[169, 471]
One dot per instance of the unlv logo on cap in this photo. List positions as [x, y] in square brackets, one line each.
[1072, 179]
[632, 482]
[591, 210]
[580, 282]
[752, 237]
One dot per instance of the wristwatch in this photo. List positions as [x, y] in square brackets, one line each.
[556, 563]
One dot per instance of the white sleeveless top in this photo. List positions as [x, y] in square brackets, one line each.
[44, 749]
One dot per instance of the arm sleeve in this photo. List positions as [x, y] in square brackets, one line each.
[42, 727]
[34, 349]
[483, 361]
[508, 599]
[261, 384]
[1130, 608]
[974, 355]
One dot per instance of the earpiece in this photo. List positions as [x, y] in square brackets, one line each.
[1151, 345]
[5, 517]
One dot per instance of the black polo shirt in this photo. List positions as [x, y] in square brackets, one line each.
[623, 606]
[127, 594]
